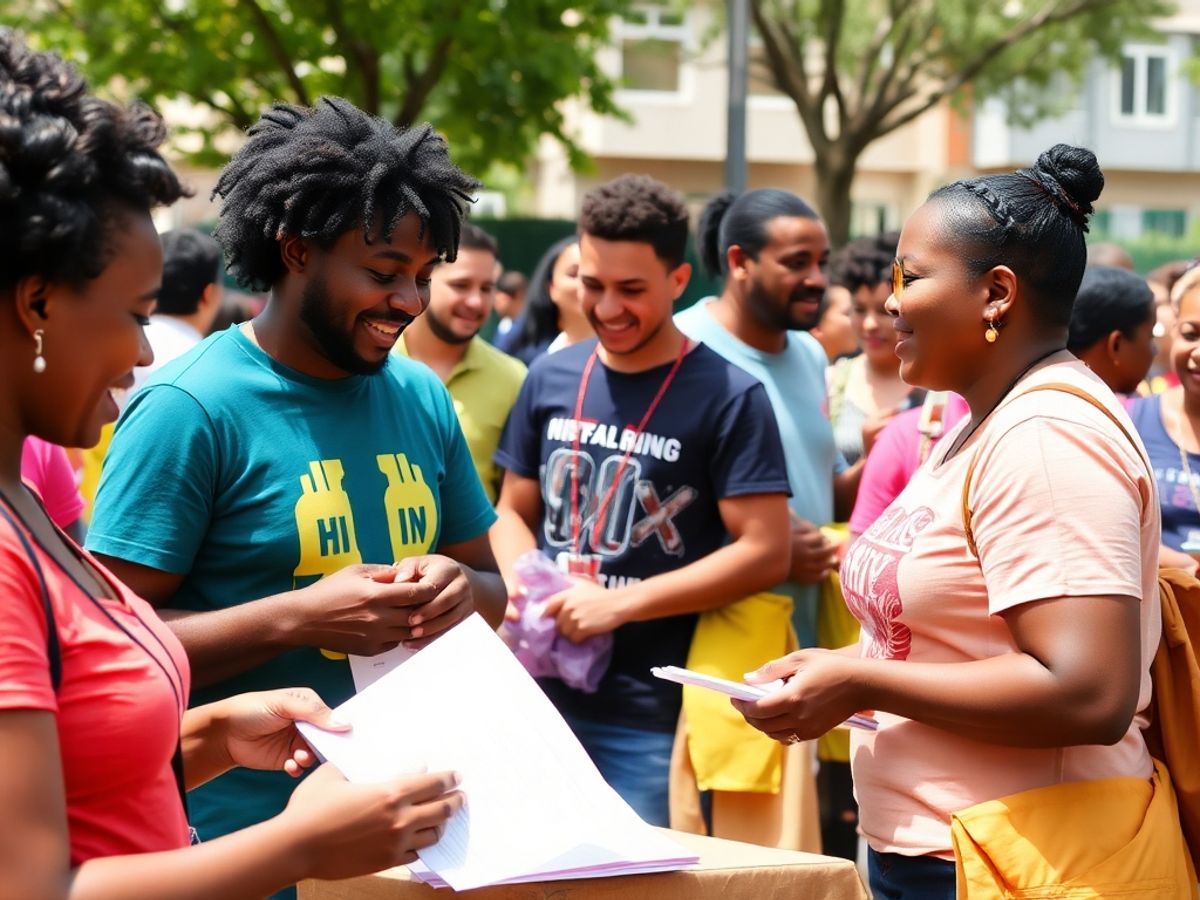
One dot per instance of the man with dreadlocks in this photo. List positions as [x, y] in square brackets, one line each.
[260, 487]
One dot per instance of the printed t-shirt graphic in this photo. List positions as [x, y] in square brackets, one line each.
[251, 479]
[712, 436]
[872, 592]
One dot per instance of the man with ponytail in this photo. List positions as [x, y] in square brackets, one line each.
[773, 252]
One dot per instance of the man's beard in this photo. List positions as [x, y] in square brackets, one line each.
[336, 345]
[779, 317]
[443, 332]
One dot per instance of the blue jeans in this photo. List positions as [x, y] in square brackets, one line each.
[896, 877]
[634, 762]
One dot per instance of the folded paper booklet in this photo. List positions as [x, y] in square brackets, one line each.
[537, 808]
[744, 691]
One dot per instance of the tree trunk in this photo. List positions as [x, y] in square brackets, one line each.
[835, 177]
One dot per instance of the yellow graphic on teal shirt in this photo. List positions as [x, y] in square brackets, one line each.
[411, 510]
[325, 527]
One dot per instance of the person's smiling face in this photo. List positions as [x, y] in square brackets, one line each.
[360, 295]
[939, 315]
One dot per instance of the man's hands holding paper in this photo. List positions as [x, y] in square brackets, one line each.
[819, 694]
[346, 829]
[367, 609]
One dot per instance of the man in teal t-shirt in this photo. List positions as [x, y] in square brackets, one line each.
[259, 488]
[773, 252]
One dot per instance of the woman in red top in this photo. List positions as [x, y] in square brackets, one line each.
[97, 746]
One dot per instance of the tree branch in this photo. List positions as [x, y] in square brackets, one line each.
[277, 49]
[833, 12]
[785, 57]
[420, 84]
[1047, 15]
[362, 54]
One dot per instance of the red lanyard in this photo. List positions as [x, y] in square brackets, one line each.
[602, 509]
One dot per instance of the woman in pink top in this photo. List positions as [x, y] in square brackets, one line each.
[1027, 664]
[97, 746]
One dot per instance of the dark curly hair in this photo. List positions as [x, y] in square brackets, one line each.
[866, 262]
[1032, 221]
[319, 172]
[70, 164]
[638, 208]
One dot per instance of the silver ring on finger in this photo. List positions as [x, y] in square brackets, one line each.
[793, 738]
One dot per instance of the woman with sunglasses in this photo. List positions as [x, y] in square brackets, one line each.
[97, 747]
[1008, 596]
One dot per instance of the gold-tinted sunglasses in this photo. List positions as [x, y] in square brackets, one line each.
[897, 279]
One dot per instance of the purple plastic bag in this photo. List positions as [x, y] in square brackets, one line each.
[538, 645]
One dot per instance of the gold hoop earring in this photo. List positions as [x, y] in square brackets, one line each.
[992, 333]
[39, 361]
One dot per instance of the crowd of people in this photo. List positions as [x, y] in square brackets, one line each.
[930, 474]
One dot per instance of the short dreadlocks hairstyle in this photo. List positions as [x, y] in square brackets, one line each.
[865, 262]
[638, 208]
[70, 166]
[319, 172]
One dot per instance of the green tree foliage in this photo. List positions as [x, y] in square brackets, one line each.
[859, 69]
[489, 73]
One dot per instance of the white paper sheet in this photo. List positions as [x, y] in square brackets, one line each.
[366, 670]
[535, 801]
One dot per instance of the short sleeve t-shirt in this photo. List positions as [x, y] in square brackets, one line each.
[124, 684]
[795, 383]
[894, 459]
[251, 479]
[712, 436]
[484, 387]
[47, 468]
[1180, 519]
[1062, 506]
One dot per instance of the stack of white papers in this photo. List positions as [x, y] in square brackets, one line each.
[537, 809]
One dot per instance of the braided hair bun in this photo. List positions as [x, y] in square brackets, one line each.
[1072, 176]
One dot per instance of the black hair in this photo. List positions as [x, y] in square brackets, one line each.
[865, 262]
[319, 172]
[512, 282]
[70, 166]
[638, 208]
[729, 219]
[537, 325]
[191, 262]
[475, 238]
[1032, 221]
[1109, 299]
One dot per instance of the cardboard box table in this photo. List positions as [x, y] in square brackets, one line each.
[727, 871]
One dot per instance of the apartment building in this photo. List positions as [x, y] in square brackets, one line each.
[1142, 119]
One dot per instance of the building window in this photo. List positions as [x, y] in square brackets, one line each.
[870, 219]
[1166, 222]
[1145, 94]
[653, 39]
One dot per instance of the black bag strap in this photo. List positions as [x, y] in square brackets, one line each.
[53, 653]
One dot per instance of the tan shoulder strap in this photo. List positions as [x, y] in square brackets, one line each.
[1063, 388]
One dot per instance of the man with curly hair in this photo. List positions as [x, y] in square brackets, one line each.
[648, 466]
[259, 488]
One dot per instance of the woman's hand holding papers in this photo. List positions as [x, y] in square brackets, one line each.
[819, 695]
[345, 829]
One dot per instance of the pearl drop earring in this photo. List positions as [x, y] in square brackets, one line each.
[39, 361]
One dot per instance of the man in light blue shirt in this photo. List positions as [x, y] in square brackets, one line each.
[773, 251]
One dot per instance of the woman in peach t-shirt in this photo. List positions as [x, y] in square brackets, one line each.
[1027, 665]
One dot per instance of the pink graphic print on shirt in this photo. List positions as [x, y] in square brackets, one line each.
[870, 581]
